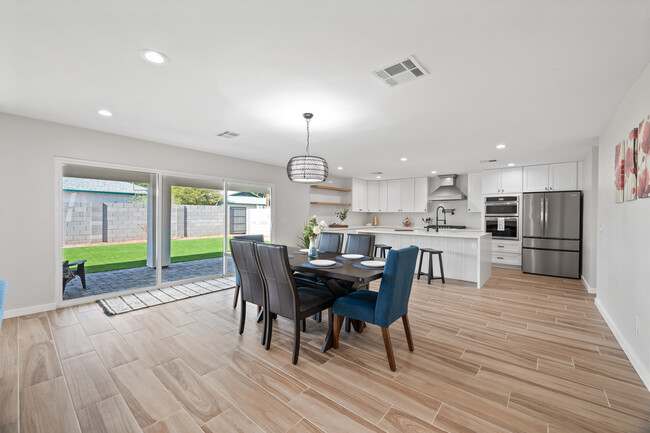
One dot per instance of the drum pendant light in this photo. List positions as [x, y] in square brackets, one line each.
[307, 168]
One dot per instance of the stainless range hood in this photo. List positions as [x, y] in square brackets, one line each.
[447, 189]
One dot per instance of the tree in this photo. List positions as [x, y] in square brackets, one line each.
[196, 196]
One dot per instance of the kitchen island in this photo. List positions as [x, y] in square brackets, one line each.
[467, 254]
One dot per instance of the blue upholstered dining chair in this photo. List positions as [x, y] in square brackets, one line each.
[386, 306]
[3, 297]
[256, 238]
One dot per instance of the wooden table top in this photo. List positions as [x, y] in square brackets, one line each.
[346, 273]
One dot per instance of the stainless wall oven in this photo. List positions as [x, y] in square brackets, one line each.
[502, 206]
[502, 227]
[502, 217]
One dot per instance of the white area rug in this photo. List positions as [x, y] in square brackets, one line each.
[136, 301]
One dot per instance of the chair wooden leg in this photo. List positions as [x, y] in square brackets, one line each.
[242, 317]
[420, 267]
[296, 341]
[361, 325]
[269, 332]
[303, 325]
[389, 349]
[407, 330]
[234, 301]
[264, 325]
[347, 324]
[442, 270]
[336, 330]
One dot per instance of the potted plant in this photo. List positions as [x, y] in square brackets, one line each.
[342, 215]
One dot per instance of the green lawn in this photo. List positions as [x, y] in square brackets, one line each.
[122, 256]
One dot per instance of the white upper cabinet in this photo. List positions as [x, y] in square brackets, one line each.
[373, 196]
[421, 194]
[552, 177]
[394, 194]
[474, 193]
[511, 180]
[399, 195]
[359, 195]
[563, 177]
[506, 180]
[407, 195]
[535, 178]
[383, 196]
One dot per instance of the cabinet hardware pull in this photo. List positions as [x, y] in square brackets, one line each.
[500, 258]
[501, 246]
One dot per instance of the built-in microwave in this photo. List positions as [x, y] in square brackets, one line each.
[502, 206]
[502, 227]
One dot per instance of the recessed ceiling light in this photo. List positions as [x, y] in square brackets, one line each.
[434, 172]
[154, 57]
[402, 159]
[501, 146]
[339, 168]
[378, 177]
[511, 164]
[104, 113]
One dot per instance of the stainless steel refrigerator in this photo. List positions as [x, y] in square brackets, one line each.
[551, 233]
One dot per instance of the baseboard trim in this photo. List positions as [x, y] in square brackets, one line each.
[634, 359]
[29, 310]
[589, 288]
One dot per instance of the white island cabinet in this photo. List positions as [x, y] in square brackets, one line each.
[467, 255]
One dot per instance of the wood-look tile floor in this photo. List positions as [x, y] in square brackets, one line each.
[525, 353]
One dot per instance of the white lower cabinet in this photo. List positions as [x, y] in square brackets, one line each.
[506, 252]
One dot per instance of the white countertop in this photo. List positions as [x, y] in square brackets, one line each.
[445, 233]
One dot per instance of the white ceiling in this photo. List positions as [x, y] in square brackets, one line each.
[541, 76]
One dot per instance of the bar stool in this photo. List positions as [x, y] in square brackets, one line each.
[383, 248]
[429, 274]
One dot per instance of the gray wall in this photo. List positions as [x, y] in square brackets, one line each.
[28, 148]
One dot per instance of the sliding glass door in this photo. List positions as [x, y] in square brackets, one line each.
[193, 228]
[107, 218]
[248, 210]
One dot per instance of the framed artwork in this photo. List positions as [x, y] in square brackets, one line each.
[629, 188]
[619, 170]
[643, 153]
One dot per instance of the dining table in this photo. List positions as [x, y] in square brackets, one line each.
[359, 277]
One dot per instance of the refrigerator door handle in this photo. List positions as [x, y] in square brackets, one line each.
[541, 214]
[545, 212]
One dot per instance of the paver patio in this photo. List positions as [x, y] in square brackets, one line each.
[99, 283]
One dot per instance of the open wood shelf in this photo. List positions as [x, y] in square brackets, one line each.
[332, 188]
[330, 204]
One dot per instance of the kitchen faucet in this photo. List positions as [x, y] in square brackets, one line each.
[444, 215]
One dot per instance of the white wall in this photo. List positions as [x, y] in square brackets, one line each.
[590, 218]
[27, 173]
[623, 257]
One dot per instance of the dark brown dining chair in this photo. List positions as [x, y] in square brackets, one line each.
[244, 255]
[284, 298]
[360, 244]
[257, 238]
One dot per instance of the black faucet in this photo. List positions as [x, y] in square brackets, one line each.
[444, 215]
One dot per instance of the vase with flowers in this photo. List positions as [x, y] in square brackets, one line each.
[311, 231]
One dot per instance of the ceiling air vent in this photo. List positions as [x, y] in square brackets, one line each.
[401, 72]
[228, 134]
[484, 161]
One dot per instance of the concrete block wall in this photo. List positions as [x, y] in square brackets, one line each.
[86, 222]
